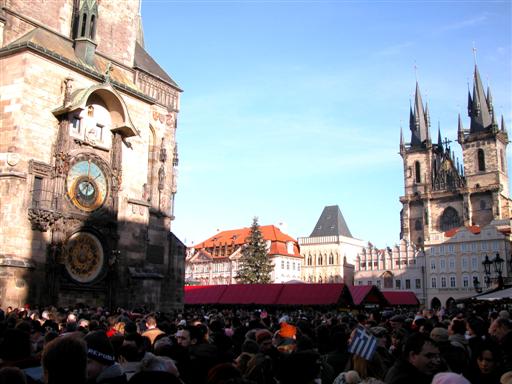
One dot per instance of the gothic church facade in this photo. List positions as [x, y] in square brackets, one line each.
[88, 158]
[443, 197]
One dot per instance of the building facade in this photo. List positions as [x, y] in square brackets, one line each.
[399, 268]
[88, 158]
[330, 251]
[443, 195]
[216, 260]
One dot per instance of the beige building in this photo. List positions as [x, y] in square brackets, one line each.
[457, 212]
[217, 259]
[88, 158]
[399, 268]
[330, 252]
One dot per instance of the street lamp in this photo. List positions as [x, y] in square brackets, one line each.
[487, 269]
[498, 268]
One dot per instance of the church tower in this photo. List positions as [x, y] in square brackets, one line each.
[484, 148]
[432, 179]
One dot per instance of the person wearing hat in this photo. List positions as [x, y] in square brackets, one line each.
[101, 365]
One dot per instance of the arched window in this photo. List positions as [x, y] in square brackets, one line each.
[310, 260]
[388, 279]
[319, 260]
[84, 24]
[450, 219]
[417, 171]
[481, 160]
[92, 30]
[331, 259]
[418, 225]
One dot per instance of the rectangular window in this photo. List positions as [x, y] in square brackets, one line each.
[360, 282]
[369, 282]
[483, 246]
[287, 265]
[442, 265]
[443, 282]
[451, 264]
[407, 284]
[282, 264]
[398, 284]
[441, 250]
[452, 282]
[495, 245]
[37, 192]
[464, 262]
[463, 247]
[465, 281]
[474, 263]
[433, 282]
[432, 265]
[432, 251]
[378, 283]
[473, 247]
[451, 248]
[418, 283]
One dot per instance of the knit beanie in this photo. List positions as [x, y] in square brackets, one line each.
[99, 348]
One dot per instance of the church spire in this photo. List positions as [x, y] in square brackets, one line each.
[419, 121]
[460, 131]
[478, 107]
[439, 139]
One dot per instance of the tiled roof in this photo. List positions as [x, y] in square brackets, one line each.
[145, 62]
[238, 236]
[331, 223]
[474, 229]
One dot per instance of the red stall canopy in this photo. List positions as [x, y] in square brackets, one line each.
[367, 294]
[401, 298]
[203, 294]
[311, 294]
[251, 294]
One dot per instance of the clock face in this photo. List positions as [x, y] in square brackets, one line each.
[83, 257]
[86, 185]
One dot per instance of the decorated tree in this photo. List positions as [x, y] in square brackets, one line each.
[255, 265]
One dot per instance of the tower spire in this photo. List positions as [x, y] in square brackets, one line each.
[419, 123]
[478, 108]
[460, 131]
[439, 139]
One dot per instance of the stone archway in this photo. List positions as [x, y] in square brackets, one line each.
[450, 303]
[435, 303]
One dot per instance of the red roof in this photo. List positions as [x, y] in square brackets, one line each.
[366, 294]
[401, 298]
[251, 294]
[474, 229]
[310, 294]
[238, 237]
[204, 294]
[267, 294]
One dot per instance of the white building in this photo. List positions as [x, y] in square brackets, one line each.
[216, 260]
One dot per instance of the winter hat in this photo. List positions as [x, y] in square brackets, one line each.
[99, 347]
[449, 378]
[262, 335]
[439, 335]
[287, 331]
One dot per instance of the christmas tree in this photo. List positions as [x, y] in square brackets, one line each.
[255, 265]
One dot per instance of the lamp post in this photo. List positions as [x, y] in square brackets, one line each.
[487, 269]
[498, 268]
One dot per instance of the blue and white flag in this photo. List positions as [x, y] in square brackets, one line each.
[363, 344]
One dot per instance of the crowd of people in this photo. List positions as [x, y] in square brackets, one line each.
[83, 345]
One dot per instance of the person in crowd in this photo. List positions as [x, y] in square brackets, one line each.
[501, 331]
[449, 378]
[64, 360]
[152, 330]
[156, 370]
[12, 375]
[419, 362]
[487, 368]
[101, 365]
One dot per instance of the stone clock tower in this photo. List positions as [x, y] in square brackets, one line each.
[88, 159]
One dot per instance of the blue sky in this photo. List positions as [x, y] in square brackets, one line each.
[289, 106]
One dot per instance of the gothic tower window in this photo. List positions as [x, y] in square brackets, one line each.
[417, 171]
[450, 219]
[418, 225]
[481, 160]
